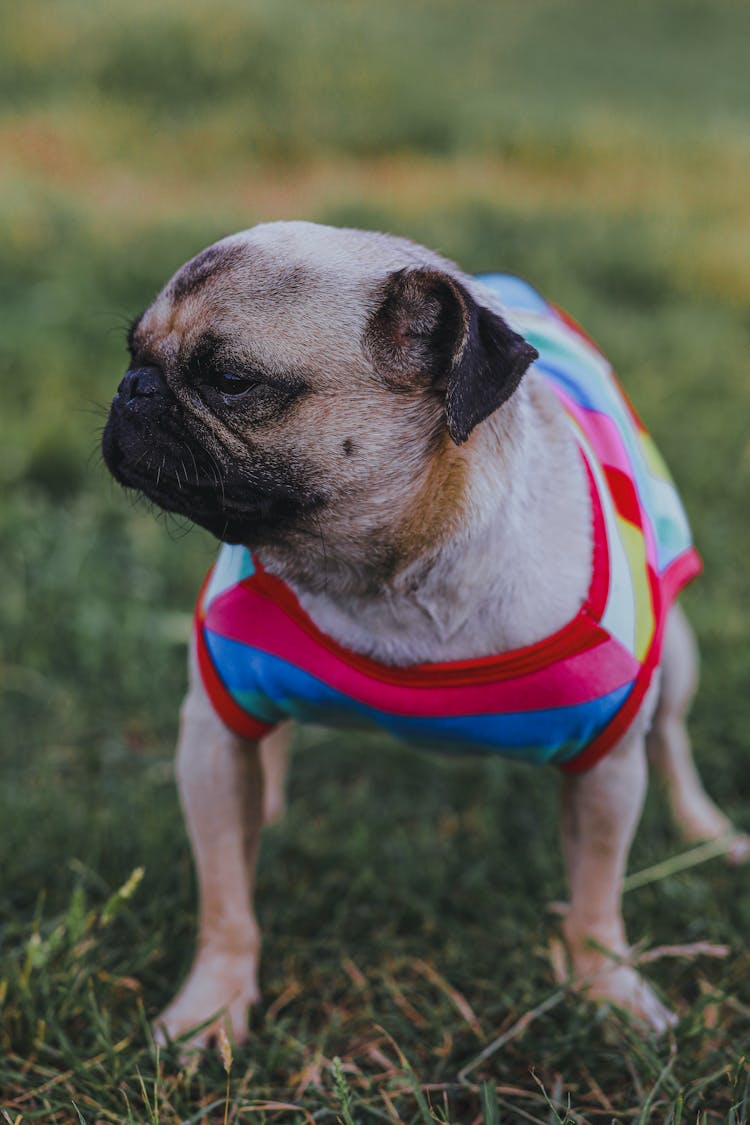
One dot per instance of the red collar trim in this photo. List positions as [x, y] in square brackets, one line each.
[581, 632]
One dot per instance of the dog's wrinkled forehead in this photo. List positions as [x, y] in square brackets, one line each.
[278, 291]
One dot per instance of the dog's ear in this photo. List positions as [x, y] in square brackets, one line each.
[428, 327]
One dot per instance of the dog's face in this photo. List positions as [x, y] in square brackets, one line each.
[296, 376]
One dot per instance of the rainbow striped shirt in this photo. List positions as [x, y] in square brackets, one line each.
[566, 699]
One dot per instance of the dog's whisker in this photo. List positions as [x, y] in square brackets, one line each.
[195, 465]
[219, 476]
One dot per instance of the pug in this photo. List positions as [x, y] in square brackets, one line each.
[440, 517]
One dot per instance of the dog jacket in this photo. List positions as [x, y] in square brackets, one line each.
[566, 699]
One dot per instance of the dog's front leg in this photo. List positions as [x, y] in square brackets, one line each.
[221, 790]
[601, 809]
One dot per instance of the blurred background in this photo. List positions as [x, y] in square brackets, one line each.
[600, 150]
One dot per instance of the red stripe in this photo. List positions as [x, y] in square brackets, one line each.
[233, 716]
[664, 590]
[579, 635]
[576, 636]
[200, 609]
[679, 572]
[624, 495]
[599, 588]
[258, 624]
[566, 318]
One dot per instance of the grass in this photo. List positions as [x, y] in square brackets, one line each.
[599, 150]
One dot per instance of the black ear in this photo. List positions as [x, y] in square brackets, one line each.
[490, 366]
[429, 328]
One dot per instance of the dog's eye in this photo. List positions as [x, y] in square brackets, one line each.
[232, 383]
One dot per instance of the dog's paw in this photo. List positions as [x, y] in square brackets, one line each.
[739, 848]
[605, 974]
[218, 993]
[625, 989]
[735, 845]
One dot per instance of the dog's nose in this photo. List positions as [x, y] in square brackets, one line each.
[141, 382]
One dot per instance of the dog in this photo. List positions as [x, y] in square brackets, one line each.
[440, 516]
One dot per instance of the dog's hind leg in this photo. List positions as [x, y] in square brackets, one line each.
[695, 814]
[221, 789]
[601, 810]
[274, 757]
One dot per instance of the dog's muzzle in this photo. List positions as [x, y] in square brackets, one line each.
[139, 384]
[138, 421]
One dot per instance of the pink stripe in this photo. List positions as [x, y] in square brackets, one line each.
[602, 433]
[610, 450]
[680, 571]
[241, 615]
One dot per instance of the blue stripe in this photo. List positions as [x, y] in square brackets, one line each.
[271, 689]
[571, 383]
[515, 292]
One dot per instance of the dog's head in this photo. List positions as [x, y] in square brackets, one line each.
[294, 377]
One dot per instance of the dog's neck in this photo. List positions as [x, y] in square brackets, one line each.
[512, 568]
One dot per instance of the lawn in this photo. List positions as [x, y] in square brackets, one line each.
[600, 150]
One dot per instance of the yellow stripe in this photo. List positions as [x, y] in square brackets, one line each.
[656, 464]
[635, 549]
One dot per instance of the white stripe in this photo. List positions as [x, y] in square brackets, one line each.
[619, 611]
[233, 564]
